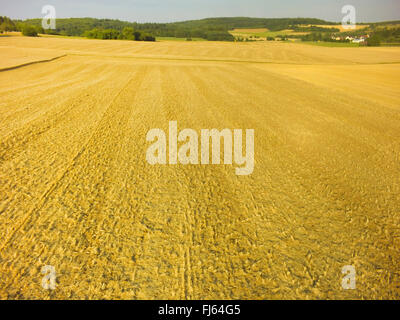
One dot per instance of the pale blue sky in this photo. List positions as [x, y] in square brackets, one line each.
[178, 10]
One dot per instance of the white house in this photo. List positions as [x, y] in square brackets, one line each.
[358, 40]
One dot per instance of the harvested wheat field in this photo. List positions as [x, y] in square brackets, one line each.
[341, 27]
[77, 193]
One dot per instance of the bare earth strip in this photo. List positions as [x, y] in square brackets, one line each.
[77, 193]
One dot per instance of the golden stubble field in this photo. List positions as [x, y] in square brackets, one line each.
[76, 191]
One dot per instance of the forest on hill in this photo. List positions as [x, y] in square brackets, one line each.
[209, 29]
[214, 29]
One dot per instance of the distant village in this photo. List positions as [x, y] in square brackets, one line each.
[313, 36]
[352, 39]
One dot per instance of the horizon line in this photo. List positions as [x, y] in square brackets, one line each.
[209, 17]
